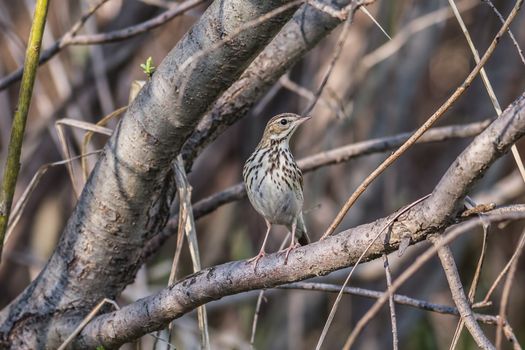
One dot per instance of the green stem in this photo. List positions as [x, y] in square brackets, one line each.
[19, 121]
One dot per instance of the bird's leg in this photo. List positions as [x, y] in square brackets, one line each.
[261, 252]
[292, 245]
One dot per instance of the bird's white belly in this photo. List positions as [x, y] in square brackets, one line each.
[276, 201]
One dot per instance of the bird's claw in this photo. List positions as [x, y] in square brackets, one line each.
[288, 250]
[255, 259]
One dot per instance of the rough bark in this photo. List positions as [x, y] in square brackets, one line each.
[127, 196]
[430, 216]
[307, 27]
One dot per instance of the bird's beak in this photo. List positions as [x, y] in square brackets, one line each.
[303, 119]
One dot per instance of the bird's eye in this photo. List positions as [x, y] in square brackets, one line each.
[284, 121]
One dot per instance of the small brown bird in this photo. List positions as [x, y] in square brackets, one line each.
[274, 182]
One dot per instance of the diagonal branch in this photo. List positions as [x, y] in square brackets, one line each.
[430, 216]
[458, 294]
[126, 199]
[430, 121]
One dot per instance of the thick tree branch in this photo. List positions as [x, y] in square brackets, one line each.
[342, 250]
[307, 27]
[126, 199]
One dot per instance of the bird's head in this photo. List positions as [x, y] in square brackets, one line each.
[282, 126]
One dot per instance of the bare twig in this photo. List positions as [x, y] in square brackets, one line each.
[472, 291]
[260, 300]
[440, 111]
[59, 125]
[507, 288]
[309, 95]
[500, 17]
[517, 252]
[347, 280]
[366, 12]
[422, 259]
[18, 209]
[458, 295]
[337, 52]
[398, 298]
[71, 37]
[86, 320]
[486, 82]
[391, 304]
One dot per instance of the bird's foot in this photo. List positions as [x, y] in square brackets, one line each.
[288, 250]
[255, 259]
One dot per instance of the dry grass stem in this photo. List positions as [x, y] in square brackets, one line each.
[347, 280]
[412, 269]
[486, 82]
[437, 115]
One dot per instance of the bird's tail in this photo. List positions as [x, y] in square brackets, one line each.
[300, 231]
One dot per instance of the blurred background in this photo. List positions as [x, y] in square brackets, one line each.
[378, 88]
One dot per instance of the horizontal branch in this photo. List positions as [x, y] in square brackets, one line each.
[319, 258]
[398, 298]
[307, 164]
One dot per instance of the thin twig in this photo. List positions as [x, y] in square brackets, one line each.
[256, 317]
[438, 114]
[260, 300]
[86, 320]
[59, 125]
[517, 252]
[398, 298]
[458, 295]
[500, 17]
[486, 82]
[391, 304]
[475, 280]
[507, 288]
[339, 296]
[18, 209]
[366, 12]
[410, 270]
[308, 95]
[337, 52]
[70, 38]
[12, 165]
